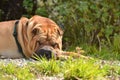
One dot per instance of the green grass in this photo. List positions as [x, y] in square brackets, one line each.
[11, 72]
[69, 69]
[105, 65]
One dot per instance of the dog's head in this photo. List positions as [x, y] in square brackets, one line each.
[45, 37]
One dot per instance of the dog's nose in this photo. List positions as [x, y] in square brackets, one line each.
[44, 53]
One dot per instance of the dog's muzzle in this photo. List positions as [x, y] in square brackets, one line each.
[46, 52]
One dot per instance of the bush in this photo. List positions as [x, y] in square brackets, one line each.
[86, 21]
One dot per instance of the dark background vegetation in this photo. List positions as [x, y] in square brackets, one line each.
[87, 23]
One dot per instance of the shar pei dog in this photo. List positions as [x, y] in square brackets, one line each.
[28, 38]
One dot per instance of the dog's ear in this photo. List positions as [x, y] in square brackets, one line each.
[24, 21]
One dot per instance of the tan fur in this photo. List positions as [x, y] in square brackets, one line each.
[8, 47]
[47, 35]
[33, 34]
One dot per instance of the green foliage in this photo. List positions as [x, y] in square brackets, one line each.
[116, 43]
[86, 21]
[92, 22]
[28, 5]
[106, 53]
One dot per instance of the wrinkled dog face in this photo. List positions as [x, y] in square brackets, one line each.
[46, 37]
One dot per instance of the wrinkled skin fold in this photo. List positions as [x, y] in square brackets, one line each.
[38, 35]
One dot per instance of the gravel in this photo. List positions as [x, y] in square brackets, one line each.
[19, 62]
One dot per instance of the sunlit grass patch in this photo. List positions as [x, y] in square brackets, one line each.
[11, 71]
[85, 69]
[81, 69]
[76, 69]
[45, 67]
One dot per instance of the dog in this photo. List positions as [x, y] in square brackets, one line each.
[30, 38]
[38, 35]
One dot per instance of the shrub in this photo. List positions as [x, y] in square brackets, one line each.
[85, 21]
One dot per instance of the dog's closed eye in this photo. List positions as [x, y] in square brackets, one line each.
[35, 31]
